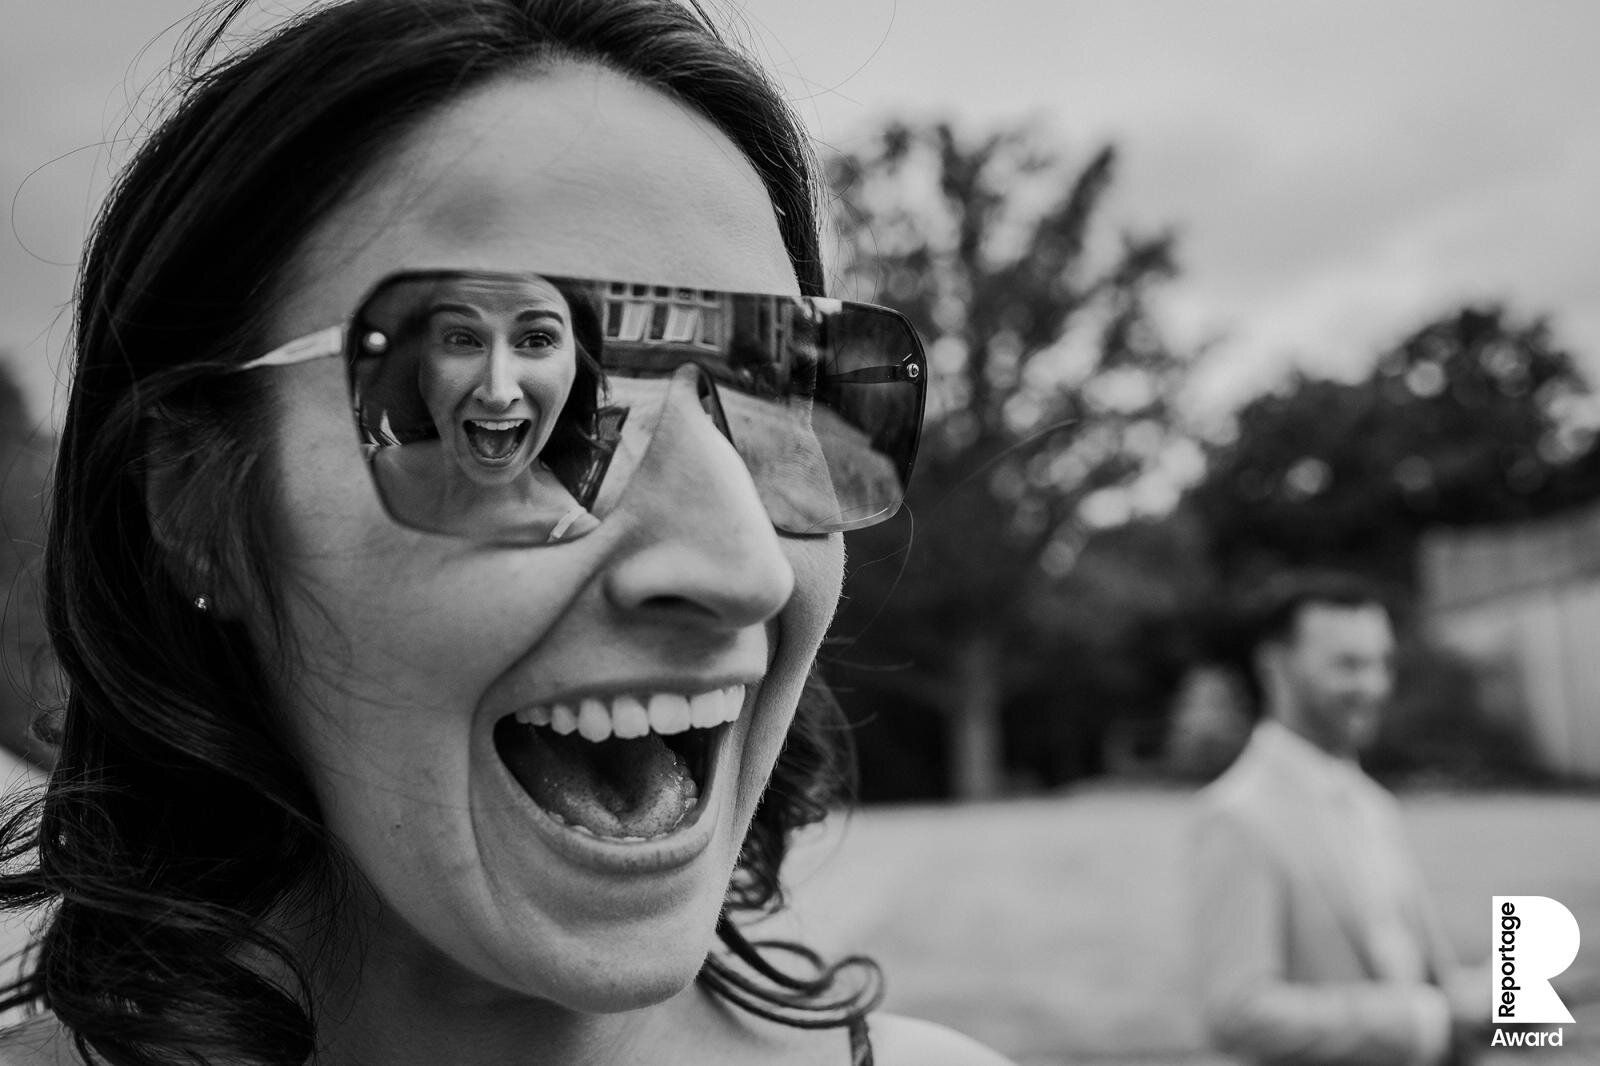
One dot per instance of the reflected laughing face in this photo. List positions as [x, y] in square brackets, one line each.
[496, 365]
[543, 760]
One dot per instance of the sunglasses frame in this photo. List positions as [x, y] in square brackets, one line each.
[340, 340]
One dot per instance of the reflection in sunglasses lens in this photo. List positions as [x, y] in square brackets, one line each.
[510, 408]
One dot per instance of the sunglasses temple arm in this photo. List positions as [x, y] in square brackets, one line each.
[878, 375]
[318, 345]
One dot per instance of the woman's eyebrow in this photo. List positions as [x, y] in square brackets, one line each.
[525, 315]
[541, 312]
[454, 308]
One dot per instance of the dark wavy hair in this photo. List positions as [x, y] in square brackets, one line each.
[573, 445]
[176, 820]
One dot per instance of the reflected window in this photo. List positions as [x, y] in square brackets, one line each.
[658, 314]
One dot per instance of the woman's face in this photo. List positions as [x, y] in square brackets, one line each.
[585, 871]
[496, 364]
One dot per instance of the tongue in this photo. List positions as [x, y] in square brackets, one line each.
[617, 788]
[492, 444]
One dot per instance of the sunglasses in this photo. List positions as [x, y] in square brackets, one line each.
[509, 408]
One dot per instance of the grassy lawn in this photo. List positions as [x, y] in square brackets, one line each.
[1055, 930]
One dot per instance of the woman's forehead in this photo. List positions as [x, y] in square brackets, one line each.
[575, 171]
[514, 296]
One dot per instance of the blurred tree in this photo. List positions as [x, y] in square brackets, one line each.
[1476, 417]
[24, 467]
[1120, 646]
[1050, 392]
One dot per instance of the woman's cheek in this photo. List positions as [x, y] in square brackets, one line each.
[796, 635]
[819, 578]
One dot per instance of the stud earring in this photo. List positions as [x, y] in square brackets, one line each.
[202, 604]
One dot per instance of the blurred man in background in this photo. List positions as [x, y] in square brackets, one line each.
[1316, 942]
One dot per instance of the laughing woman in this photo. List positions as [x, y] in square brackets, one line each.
[344, 781]
[505, 373]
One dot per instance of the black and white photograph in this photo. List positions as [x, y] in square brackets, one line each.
[875, 532]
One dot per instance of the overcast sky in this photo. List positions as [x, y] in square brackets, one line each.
[1337, 171]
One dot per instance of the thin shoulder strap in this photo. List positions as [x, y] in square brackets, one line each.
[860, 1042]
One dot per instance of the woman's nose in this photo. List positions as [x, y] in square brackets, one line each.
[499, 389]
[700, 547]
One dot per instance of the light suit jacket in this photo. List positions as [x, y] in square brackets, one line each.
[1291, 968]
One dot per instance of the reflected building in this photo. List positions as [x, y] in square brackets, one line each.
[749, 342]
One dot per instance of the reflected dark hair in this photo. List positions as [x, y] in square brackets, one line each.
[177, 820]
[573, 442]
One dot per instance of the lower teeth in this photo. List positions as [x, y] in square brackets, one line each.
[492, 445]
[629, 790]
[627, 838]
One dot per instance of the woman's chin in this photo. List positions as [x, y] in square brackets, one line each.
[487, 473]
[634, 990]
[617, 974]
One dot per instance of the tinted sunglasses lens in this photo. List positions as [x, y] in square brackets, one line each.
[828, 424]
[511, 408]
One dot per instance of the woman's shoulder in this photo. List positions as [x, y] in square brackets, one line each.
[39, 1041]
[901, 1041]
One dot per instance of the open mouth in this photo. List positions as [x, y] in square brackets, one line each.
[629, 768]
[495, 441]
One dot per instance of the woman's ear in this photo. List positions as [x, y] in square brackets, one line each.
[177, 525]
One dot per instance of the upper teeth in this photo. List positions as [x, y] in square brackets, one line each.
[599, 718]
[510, 423]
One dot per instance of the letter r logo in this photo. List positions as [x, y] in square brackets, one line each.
[1535, 939]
